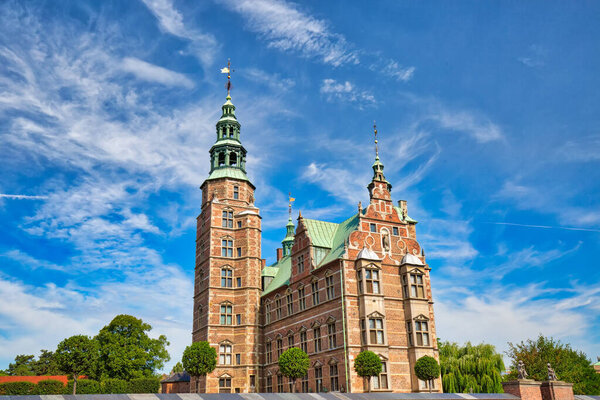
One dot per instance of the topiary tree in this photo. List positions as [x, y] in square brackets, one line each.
[77, 355]
[367, 364]
[199, 359]
[294, 364]
[427, 369]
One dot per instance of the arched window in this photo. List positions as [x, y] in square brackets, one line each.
[221, 159]
[225, 354]
[233, 159]
[226, 277]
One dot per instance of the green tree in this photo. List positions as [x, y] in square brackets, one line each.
[570, 365]
[427, 369]
[24, 365]
[199, 359]
[77, 355]
[46, 364]
[470, 368]
[177, 368]
[367, 364]
[294, 364]
[126, 350]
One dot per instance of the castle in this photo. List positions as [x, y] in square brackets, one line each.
[335, 290]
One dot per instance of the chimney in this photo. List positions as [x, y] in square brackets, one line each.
[279, 253]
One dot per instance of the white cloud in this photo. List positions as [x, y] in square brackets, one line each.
[479, 128]
[154, 73]
[21, 197]
[395, 70]
[586, 149]
[287, 28]
[345, 91]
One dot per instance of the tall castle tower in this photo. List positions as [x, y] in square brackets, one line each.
[227, 284]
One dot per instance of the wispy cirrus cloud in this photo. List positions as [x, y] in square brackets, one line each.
[21, 197]
[154, 73]
[287, 28]
[346, 92]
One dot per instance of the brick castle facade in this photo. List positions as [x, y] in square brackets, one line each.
[335, 290]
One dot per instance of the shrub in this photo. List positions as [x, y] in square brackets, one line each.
[16, 388]
[49, 386]
[144, 385]
[114, 386]
[84, 386]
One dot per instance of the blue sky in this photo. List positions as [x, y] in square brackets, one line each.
[488, 121]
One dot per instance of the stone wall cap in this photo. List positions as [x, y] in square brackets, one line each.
[530, 382]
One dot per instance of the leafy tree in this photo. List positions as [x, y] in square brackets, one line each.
[127, 352]
[294, 364]
[199, 359]
[570, 365]
[24, 365]
[46, 364]
[77, 355]
[427, 369]
[367, 364]
[470, 368]
[177, 368]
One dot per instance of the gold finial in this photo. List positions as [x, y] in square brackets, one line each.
[227, 70]
[291, 200]
[376, 148]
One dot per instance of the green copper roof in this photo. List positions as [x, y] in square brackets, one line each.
[342, 233]
[320, 232]
[408, 219]
[222, 142]
[228, 172]
[269, 271]
[284, 271]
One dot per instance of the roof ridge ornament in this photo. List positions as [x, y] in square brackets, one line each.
[228, 70]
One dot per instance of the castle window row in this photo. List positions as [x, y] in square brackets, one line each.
[317, 342]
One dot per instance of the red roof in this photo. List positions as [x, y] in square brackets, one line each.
[35, 379]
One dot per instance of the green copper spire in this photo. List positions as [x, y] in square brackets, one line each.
[288, 241]
[378, 165]
[227, 155]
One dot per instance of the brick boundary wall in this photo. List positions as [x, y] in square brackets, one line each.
[528, 389]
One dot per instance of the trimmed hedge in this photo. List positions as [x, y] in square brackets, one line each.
[16, 388]
[114, 386]
[49, 386]
[84, 386]
[144, 385]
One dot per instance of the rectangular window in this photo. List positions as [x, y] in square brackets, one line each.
[359, 281]
[226, 277]
[278, 308]
[305, 384]
[315, 292]
[373, 227]
[239, 224]
[422, 333]
[417, 289]
[252, 381]
[225, 354]
[226, 314]
[269, 352]
[224, 385]
[330, 288]
[268, 313]
[236, 193]
[226, 248]
[363, 331]
[238, 281]
[380, 381]
[269, 384]
[404, 287]
[395, 231]
[238, 359]
[409, 332]
[317, 336]
[290, 303]
[376, 330]
[239, 251]
[372, 281]
[319, 379]
[238, 319]
[227, 221]
[280, 383]
[331, 336]
[290, 341]
[303, 344]
[279, 348]
[301, 299]
[333, 377]
[301, 263]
